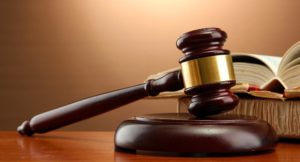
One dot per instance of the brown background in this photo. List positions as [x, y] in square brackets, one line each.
[56, 52]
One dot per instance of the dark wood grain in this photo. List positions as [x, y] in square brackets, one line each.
[202, 43]
[184, 133]
[99, 146]
[214, 98]
[99, 104]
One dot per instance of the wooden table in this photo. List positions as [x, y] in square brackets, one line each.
[99, 146]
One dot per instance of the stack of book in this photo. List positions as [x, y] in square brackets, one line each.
[284, 116]
[268, 86]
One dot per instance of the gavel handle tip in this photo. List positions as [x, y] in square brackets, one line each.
[25, 129]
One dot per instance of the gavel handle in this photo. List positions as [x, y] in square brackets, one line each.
[99, 104]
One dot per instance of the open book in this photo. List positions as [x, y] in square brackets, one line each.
[265, 76]
[270, 73]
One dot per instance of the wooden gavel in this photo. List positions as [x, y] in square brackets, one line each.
[207, 75]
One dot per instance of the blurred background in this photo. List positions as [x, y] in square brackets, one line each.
[56, 52]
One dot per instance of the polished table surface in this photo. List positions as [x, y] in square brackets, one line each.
[99, 146]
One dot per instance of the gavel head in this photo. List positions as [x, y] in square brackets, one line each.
[207, 71]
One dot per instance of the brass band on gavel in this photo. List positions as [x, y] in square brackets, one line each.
[207, 70]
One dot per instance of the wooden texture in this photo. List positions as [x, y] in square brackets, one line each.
[202, 43]
[282, 115]
[99, 104]
[212, 97]
[220, 134]
[99, 146]
[208, 99]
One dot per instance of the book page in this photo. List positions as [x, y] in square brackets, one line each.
[160, 74]
[287, 67]
[272, 62]
[267, 94]
[252, 73]
[291, 54]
